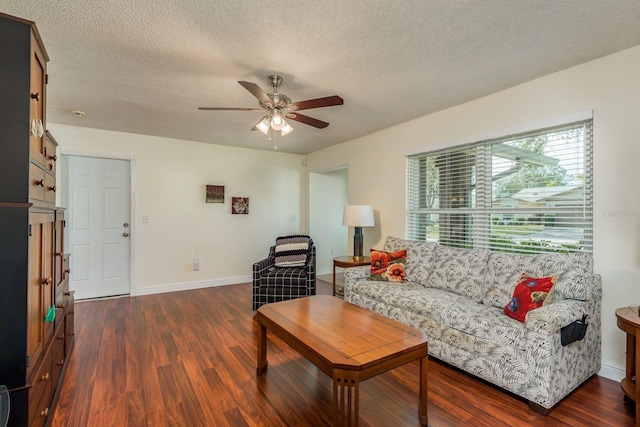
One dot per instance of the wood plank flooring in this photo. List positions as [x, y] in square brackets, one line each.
[189, 358]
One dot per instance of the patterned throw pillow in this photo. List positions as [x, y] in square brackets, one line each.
[292, 251]
[388, 266]
[529, 294]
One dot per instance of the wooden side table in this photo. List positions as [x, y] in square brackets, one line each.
[346, 262]
[629, 321]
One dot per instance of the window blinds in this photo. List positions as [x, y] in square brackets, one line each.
[524, 193]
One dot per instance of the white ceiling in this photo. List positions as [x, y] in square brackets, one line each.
[144, 66]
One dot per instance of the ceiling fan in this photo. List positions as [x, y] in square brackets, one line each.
[278, 106]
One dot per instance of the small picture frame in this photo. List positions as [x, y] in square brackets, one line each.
[240, 205]
[215, 194]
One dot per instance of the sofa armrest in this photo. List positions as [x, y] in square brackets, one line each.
[549, 319]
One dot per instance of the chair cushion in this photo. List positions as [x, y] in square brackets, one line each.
[291, 251]
[290, 277]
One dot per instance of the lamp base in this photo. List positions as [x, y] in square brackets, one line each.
[357, 244]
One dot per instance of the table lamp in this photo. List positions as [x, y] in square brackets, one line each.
[358, 216]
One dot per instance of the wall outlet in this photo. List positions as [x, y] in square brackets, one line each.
[294, 218]
[145, 219]
[196, 264]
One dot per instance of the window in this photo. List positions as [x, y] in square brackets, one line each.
[524, 193]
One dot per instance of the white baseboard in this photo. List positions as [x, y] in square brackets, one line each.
[175, 287]
[612, 372]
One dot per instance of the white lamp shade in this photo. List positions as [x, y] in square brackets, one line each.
[263, 126]
[358, 216]
[286, 130]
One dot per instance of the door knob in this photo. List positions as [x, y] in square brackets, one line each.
[125, 225]
[125, 234]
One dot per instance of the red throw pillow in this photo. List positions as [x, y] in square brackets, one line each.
[529, 294]
[388, 266]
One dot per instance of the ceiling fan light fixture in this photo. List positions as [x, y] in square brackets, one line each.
[277, 121]
[286, 130]
[263, 126]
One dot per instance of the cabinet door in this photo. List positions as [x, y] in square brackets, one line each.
[38, 87]
[48, 295]
[59, 267]
[35, 291]
[40, 284]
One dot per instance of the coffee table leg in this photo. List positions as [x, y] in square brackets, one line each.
[346, 398]
[262, 349]
[422, 405]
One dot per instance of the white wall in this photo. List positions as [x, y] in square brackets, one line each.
[327, 198]
[169, 186]
[609, 86]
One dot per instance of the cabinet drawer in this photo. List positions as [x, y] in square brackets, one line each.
[50, 153]
[36, 182]
[57, 358]
[49, 188]
[69, 327]
[40, 392]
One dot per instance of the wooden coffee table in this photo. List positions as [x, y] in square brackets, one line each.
[348, 343]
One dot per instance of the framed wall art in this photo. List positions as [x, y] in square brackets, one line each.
[215, 193]
[240, 205]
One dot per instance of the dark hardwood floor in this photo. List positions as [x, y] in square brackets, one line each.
[189, 358]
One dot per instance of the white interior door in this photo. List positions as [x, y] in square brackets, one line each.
[98, 226]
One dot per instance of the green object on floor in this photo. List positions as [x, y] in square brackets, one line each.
[51, 314]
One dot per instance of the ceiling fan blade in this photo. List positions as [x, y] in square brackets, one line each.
[257, 92]
[307, 120]
[327, 101]
[228, 109]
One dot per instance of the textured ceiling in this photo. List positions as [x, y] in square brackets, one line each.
[144, 66]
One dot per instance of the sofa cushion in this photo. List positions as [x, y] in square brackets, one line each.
[388, 266]
[529, 294]
[573, 273]
[419, 257]
[485, 323]
[459, 270]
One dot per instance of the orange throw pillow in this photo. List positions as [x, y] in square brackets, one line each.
[388, 266]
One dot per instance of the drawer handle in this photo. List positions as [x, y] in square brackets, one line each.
[60, 306]
[44, 413]
[58, 253]
[52, 188]
[45, 377]
[61, 336]
[40, 183]
[47, 281]
[54, 158]
[60, 363]
[68, 270]
[71, 333]
[67, 293]
[35, 96]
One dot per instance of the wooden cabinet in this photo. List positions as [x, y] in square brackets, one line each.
[36, 306]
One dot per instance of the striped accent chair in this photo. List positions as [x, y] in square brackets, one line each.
[281, 276]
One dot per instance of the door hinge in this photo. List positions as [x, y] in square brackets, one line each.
[28, 361]
[46, 79]
[29, 230]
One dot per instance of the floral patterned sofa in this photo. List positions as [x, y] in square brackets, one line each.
[457, 296]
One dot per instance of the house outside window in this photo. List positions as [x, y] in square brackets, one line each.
[525, 193]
